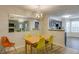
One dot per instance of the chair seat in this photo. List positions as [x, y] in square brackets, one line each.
[8, 44]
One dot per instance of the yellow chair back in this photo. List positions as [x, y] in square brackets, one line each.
[50, 40]
[41, 43]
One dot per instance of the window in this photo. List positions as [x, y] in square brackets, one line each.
[72, 26]
[75, 26]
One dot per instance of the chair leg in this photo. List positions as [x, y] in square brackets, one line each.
[5, 50]
[15, 49]
[25, 47]
[38, 51]
[46, 49]
[41, 50]
[1, 50]
[51, 46]
[31, 49]
[8, 50]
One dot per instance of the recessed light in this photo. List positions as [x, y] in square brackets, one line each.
[66, 16]
[21, 20]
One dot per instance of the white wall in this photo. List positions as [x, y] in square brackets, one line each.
[58, 35]
[16, 37]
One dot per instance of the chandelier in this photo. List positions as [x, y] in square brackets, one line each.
[38, 13]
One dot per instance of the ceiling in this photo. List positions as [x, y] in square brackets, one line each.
[55, 10]
[42, 8]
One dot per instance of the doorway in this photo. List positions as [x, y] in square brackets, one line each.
[72, 34]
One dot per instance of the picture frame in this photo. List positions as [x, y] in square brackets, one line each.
[54, 24]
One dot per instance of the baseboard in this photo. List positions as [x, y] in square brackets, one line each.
[59, 45]
[73, 37]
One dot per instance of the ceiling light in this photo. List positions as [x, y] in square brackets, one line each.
[66, 16]
[21, 20]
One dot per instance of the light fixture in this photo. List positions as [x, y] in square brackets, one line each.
[66, 16]
[38, 12]
[38, 15]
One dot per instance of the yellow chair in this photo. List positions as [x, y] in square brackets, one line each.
[40, 45]
[49, 42]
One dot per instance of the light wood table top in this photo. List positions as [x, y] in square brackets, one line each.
[33, 39]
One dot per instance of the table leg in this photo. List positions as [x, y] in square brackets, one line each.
[25, 47]
[46, 48]
[31, 48]
[51, 46]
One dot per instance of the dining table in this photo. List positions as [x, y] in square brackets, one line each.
[33, 40]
